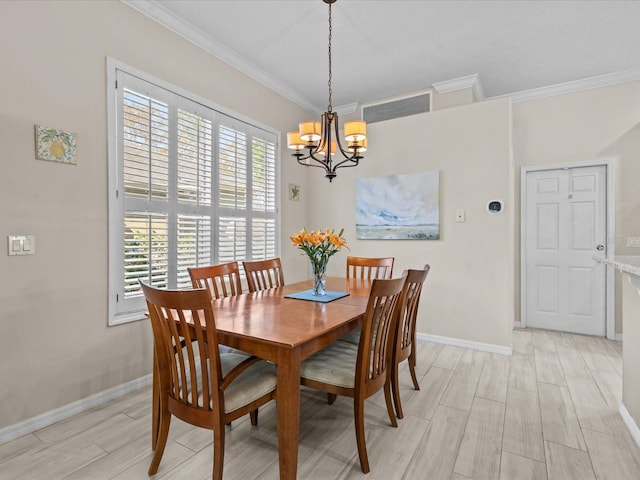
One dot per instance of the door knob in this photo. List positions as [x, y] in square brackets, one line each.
[600, 248]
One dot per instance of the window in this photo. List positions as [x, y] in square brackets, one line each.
[189, 186]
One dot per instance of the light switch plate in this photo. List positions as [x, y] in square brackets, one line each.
[460, 215]
[21, 245]
[633, 242]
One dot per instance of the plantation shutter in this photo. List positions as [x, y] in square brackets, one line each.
[194, 187]
[145, 155]
[263, 225]
[194, 190]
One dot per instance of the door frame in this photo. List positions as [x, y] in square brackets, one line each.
[608, 163]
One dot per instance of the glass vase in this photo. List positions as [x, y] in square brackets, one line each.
[319, 271]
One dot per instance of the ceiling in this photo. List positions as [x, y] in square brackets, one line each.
[383, 49]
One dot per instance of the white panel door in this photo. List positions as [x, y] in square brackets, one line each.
[565, 228]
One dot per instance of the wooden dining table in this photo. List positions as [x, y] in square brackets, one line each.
[285, 331]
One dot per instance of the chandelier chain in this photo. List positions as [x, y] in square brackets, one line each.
[330, 107]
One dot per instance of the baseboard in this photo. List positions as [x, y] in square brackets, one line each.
[618, 337]
[456, 342]
[630, 423]
[517, 324]
[48, 418]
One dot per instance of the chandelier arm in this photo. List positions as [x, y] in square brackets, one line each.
[323, 166]
[345, 152]
[321, 163]
[348, 156]
[325, 133]
[350, 159]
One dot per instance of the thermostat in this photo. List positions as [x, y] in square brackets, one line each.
[494, 206]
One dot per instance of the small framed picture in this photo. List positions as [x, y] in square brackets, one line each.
[294, 192]
[55, 145]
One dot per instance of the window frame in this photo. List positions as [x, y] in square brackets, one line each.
[116, 201]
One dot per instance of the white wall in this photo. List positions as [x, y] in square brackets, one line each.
[55, 344]
[469, 292]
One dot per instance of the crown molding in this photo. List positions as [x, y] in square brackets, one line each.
[160, 14]
[607, 80]
[347, 109]
[461, 83]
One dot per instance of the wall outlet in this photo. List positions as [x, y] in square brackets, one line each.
[633, 242]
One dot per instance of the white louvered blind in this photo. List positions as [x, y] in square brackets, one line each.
[193, 187]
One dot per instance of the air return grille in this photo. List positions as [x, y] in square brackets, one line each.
[402, 107]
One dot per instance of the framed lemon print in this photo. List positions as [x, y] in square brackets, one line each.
[55, 145]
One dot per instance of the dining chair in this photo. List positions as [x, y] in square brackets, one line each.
[264, 274]
[222, 280]
[405, 345]
[359, 371]
[369, 268]
[197, 383]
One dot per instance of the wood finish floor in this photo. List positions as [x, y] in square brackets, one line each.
[549, 411]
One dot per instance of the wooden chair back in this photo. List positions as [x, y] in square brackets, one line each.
[405, 345]
[375, 351]
[222, 280]
[369, 268]
[264, 274]
[407, 322]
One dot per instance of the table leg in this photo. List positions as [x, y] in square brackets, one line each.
[288, 406]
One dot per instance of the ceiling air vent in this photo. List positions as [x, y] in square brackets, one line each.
[400, 107]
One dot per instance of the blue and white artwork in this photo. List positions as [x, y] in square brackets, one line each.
[399, 207]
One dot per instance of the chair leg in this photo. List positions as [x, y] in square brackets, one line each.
[155, 404]
[331, 397]
[254, 417]
[387, 399]
[163, 433]
[395, 386]
[358, 410]
[412, 368]
[218, 452]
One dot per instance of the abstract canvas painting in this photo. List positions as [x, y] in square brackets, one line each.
[398, 207]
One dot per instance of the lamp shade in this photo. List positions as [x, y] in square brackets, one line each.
[310, 131]
[355, 131]
[294, 141]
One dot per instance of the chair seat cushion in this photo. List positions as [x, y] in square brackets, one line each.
[256, 381]
[334, 364]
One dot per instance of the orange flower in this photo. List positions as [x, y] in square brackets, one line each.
[319, 245]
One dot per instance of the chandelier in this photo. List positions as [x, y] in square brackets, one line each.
[316, 143]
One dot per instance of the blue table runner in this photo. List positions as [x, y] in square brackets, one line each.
[308, 295]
